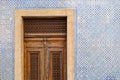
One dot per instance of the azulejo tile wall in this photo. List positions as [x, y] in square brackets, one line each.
[97, 29]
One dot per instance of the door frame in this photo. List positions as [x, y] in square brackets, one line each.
[19, 38]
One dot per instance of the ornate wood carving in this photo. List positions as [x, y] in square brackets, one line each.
[45, 25]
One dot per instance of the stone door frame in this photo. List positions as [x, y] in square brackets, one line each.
[19, 38]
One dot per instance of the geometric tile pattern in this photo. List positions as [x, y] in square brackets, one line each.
[97, 29]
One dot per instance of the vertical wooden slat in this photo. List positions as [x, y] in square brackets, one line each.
[28, 66]
[25, 62]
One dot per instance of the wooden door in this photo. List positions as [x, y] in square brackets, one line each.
[45, 59]
[45, 48]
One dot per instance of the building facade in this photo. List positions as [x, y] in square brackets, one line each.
[97, 40]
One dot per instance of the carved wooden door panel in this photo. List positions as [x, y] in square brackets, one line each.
[45, 59]
[33, 61]
[56, 52]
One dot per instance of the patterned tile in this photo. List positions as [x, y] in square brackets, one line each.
[97, 24]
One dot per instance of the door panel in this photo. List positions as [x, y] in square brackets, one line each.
[33, 61]
[56, 63]
[57, 59]
[45, 60]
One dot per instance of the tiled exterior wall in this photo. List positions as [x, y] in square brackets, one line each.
[97, 36]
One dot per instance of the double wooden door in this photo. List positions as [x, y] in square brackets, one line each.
[45, 59]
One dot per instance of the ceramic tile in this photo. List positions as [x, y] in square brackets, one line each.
[97, 49]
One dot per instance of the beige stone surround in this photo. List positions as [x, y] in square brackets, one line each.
[19, 39]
